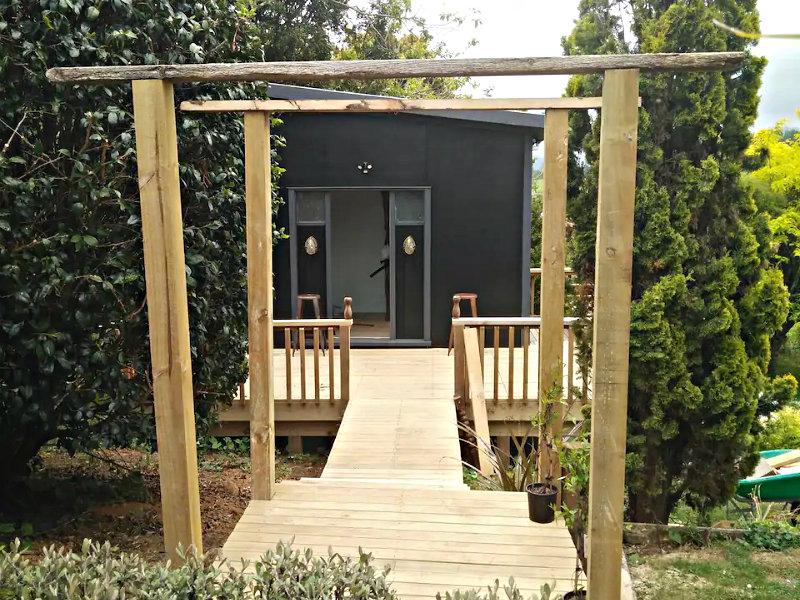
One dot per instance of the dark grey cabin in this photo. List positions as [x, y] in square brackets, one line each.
[400, 212]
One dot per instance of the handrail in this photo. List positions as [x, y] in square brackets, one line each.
[507, 321]
[283, 323]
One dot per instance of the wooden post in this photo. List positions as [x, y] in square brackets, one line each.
[168, 312]
[258, 200]
[344, 350]
[612, 288]
[459, 365]
[551, 295]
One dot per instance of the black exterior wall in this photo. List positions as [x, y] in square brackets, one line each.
[479, 175]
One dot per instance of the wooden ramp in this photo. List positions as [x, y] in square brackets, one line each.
[393, 486]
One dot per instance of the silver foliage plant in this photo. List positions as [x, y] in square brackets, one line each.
[97, 572]
[509, 591]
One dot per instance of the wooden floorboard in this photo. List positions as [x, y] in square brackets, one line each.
[393, 487]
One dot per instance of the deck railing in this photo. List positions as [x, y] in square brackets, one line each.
[313, 366]
[477, 401]
[510, 379]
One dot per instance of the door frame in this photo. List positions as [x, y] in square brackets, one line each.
[293, 262]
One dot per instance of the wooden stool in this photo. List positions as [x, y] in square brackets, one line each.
[314, 299]
[457, 299]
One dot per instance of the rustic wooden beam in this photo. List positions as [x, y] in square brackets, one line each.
[168, 313]
[388, 105]
[612, 288]
[323, 70]
[554, 237]
[477, 401]
[258, 223]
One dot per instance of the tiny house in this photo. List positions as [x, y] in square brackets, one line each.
[400, 212]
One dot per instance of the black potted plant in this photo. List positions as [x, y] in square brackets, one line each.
[542, 498]
[543, 494]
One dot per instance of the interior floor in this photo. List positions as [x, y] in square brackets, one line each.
[370, 325]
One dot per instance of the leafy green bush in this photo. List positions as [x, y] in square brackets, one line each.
[97, 572]
[782, 430]
[772, 535]
[73, 329]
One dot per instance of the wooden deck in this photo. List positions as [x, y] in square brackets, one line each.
[393, 486]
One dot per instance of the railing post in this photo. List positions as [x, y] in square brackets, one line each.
[459, 364]
[168, 312]
[344, 350]
[616, 191]
[258, 225]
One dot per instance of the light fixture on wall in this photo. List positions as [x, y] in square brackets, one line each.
[365, 167]
[409, 245]
[311, 245]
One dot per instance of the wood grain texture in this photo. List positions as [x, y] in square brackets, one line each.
[435, 539]
[612, 287]
[477, 403]
[258, 201]
[506, 321]
[167, 311]
[399, 68]
[388, 105]
[551, 304]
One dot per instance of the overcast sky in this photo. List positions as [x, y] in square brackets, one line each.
[535, 28]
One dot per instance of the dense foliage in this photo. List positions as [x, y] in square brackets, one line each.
[705, 300]
[774, 161]
[100, 573]
[782, 430]
[386, 29]
[73, 316]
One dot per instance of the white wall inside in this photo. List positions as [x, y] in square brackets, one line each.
[357, 238]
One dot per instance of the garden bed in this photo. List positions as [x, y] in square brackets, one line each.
[114, 495]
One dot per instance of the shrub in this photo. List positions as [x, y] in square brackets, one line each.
[73, 327]
[782, 430]
[97, 572]
[772, 535]
[495, 592]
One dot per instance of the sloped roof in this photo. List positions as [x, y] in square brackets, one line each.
[280, 91]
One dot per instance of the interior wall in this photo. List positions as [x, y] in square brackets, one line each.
[357, 238]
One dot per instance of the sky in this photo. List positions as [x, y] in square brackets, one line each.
[535, 27]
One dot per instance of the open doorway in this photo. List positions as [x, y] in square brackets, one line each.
[359, 229]
[370, 244]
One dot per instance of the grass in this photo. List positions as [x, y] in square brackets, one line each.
[723, 572]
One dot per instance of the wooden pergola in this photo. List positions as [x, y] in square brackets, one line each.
[157, 151]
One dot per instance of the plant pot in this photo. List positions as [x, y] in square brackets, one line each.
[579, 595]
[541, 498]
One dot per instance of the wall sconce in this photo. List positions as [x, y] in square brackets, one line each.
[311, 245]
[409, 245]
[365, 167]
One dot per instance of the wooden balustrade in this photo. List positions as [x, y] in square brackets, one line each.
[510, 377]
[297, 375]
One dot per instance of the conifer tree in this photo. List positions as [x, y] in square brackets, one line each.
[704, 300]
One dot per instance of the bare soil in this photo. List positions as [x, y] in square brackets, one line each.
[114, 495]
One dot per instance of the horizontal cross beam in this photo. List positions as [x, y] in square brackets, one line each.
[387, 105]
[320, 70]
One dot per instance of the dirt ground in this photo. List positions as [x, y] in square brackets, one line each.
[114, 495]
